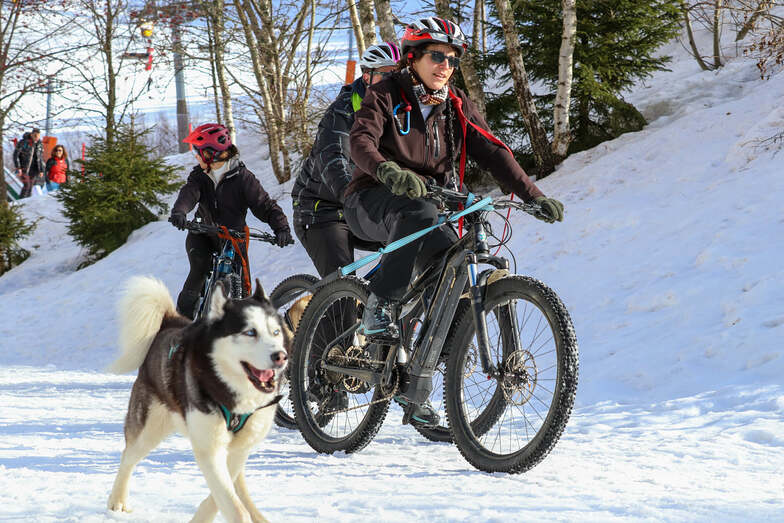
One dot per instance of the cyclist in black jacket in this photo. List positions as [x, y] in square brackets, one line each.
[317, 195]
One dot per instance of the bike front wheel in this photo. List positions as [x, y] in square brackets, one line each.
[290, 298]
[510, 423]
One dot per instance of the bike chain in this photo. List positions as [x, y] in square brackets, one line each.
[380, 400]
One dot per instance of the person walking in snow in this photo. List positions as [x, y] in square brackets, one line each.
[225, 190]
[57, 167]
[317, 196]
[29, 161]
[407, 131]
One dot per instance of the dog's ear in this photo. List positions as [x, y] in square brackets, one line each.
[260, 295]
[217, 301]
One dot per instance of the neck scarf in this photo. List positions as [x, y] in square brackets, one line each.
[425, 95]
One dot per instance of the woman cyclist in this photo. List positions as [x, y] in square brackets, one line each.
[225, 190]
[410, 129]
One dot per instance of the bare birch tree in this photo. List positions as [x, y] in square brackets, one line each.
[562, 133]
[543, 154]
[385, 19]
[367, 21]
[215, 13]
[356, 25]
[283, 76]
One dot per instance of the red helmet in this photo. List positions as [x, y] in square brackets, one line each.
[209, 139]
[433, 30]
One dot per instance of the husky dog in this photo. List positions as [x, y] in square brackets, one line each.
[215, 381]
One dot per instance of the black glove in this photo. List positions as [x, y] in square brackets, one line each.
[552, 209]
[283, 238]
[401, 181]
[178, 220]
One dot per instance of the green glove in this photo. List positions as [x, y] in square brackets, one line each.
[400, 181]
[551, 208]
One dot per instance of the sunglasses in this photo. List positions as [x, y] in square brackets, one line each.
[438, 57]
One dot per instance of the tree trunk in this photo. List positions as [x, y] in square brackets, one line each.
[367, 21]
[243, 12]
[543, 155]
[484, 26]
[562, 135]
[357, 26]
[213, 74]
[692, 43]
[3, 188]
[717, 15]
[467, 64]
[220, 69]
[386, 23]
[477, 36]
[111, 77]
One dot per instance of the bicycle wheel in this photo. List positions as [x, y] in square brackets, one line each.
[538, 382]
[333, 411]
[290, 298]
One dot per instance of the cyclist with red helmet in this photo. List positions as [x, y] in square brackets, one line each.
[412, 127]
[225, 190]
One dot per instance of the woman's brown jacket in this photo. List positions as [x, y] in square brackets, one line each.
[376, 138]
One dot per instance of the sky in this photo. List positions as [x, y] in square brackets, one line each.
[668, 261]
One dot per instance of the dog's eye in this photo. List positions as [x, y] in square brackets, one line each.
[250, 332]
[276, 332]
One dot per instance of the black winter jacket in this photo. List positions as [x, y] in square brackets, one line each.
[227, 204]
[29, 156]
[317, 195]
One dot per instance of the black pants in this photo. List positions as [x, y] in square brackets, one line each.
[200, 248]
[375, 214]
[330, 245]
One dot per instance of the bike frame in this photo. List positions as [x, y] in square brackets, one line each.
[459, 266]
[222, 265]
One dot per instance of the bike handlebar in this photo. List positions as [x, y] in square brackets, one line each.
[204, 228]
[451, 198]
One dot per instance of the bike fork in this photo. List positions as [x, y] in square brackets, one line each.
[480, 318]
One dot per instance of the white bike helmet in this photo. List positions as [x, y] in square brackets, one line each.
[379, 55]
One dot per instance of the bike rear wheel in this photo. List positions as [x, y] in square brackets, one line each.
[511, 423]
[290, 298]
[334, 411]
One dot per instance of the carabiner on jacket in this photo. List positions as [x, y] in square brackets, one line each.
[407, 109]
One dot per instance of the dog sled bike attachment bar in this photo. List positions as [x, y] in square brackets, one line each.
[446, 196]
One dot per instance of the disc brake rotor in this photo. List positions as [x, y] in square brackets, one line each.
[520, 376]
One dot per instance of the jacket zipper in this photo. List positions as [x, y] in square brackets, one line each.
[436, 139]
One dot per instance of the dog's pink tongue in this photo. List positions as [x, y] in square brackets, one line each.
[264, 375]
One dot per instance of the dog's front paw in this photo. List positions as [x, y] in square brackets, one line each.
[118, 505]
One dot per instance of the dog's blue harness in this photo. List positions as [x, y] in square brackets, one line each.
[235, 422]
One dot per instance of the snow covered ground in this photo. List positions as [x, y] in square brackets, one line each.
[669, 261]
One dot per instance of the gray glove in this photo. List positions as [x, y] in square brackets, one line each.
[401, 181]
[552, 209]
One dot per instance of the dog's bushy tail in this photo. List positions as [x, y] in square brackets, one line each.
[142, 307]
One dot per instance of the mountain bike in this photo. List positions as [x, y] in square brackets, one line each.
[227, 267]
[505, 343]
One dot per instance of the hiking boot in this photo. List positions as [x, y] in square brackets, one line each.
[377, 320]
[421, 415]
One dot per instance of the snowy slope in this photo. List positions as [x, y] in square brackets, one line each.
[668, 260]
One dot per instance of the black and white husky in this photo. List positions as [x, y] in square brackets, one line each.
[215, 380]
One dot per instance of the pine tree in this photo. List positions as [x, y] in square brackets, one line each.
[13, 228]
[615, 47]
[120, 192]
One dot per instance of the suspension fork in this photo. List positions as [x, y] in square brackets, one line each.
[480, 318]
